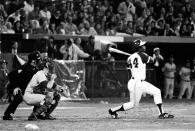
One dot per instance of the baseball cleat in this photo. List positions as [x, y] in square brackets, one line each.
[32, 117]
[49, 117]
[166, 116]
[7, 117]
[113, 114]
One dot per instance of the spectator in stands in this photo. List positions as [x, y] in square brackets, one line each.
[3, 80]
[161, 26]
[185, 85]
[169, 71]
[28, 6]
[158, 64]
[34, 26]
[30, 27]
[121, 27]
[3, 13]
[92, 21]
[10, 28]
[139, 28]
[52, 48]
[44, 29]
[143, 17]
[168, 31]
[14, 47]
[184, 31]
[72, 51]
[154, 30]
[3, 28]
[24, 22]
[70, 28]
[60, 29]
[129, 29]
[45, 13]
[176, 27]
[56, 18]
[52, 27]
[70, 6]
[99, 29]
[127, 10]
[169, 17]
[14, 17]
[34, 15]
[188, 9]
[88, 30]
[78, 42]
[11, 7]
[63, 6]
[193, 19]
[18, 27]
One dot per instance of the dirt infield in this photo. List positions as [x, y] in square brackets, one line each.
[93, 115]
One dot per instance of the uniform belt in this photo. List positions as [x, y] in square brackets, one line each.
[169, 77]
[186, 80]
[134, 78]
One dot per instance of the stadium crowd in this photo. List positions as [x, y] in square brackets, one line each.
[96, 17]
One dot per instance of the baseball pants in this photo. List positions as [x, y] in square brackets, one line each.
[168, 88]
[185, 86]
[33, 99]
[137, 88]
[193, 89]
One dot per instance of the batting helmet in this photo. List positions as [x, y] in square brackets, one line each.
[138, 43]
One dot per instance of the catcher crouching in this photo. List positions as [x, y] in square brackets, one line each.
[41, 93]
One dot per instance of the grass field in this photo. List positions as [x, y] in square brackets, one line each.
[93, 115]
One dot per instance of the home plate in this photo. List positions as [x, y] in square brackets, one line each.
[58, 108]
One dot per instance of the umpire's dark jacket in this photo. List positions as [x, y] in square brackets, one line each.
[21, 77]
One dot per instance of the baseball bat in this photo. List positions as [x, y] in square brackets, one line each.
[110, 49]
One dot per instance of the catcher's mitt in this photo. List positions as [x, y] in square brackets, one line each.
[41, 88]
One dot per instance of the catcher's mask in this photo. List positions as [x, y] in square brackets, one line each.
[46, 63]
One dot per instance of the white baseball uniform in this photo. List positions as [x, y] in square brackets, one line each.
[29, 97]
[185, 84]
[169, 70]
[137, 84]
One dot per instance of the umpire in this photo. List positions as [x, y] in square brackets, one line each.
[18, 81]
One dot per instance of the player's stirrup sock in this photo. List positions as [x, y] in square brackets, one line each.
[160, 108]
[118, 108]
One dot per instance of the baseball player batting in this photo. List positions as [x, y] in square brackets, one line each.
[137, 84]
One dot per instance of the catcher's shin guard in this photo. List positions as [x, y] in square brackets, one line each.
[41, 109]
[36, 107]
[53, 106]
[37, 111]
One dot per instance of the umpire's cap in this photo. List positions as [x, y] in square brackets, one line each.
[35, 55]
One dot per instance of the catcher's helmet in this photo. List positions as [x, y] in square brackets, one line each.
[46, 63]
[35, 55]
